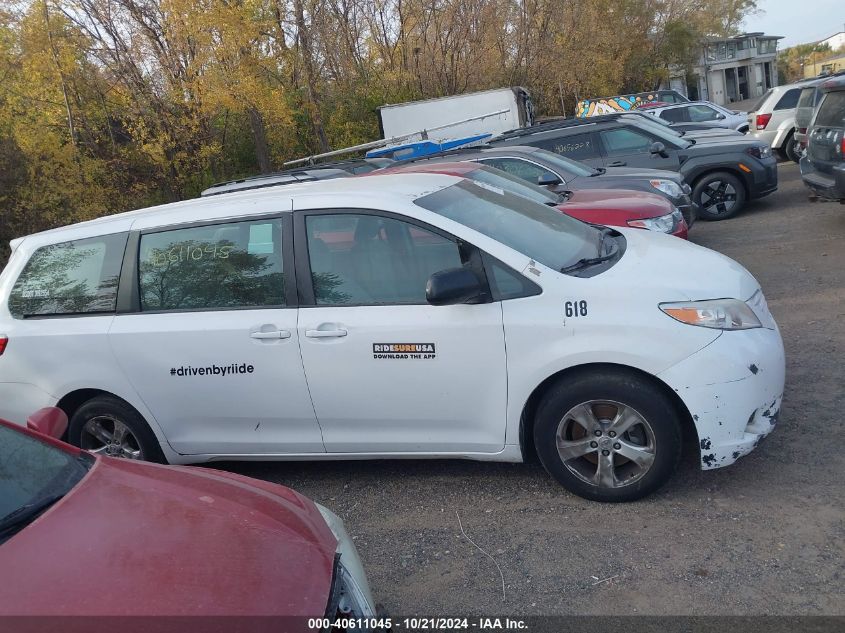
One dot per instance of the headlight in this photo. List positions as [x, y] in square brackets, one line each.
[720, 314]
[350, 594]
[759, 151]
[669, 187]
[663, 223]
[348, 598]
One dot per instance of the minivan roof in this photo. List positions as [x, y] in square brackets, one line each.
[338, 193]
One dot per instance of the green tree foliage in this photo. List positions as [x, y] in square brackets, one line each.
[107, 105]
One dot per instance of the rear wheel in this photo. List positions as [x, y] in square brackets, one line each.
[109, 426]
[608, 436]
[719, 196]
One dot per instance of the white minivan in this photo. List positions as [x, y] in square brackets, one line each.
[395, 316]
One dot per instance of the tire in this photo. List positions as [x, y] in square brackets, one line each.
[650, 432]
[107, 425]
[790, 149]
[719, 195]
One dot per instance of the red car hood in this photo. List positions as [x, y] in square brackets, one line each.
[141, 539]
[614, 206]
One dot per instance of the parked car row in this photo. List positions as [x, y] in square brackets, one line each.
[491, 303]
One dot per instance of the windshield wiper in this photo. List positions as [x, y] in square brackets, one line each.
[24, 515]
[589, 261]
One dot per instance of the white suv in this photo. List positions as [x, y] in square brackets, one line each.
[773, 119]
[390, 317]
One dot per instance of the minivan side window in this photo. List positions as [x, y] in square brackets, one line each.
[71, 278]
[374, 260]
[789, 99]
[219, 266]
[575, 146]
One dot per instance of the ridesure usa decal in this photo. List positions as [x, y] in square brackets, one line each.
[213, 370]
[404, 351]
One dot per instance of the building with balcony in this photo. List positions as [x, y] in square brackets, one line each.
[732, 69]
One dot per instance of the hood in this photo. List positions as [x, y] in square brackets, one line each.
[672, 269]
[142, 539]
[614, 206]
[641, 172]
[711, 132]
[740, 141]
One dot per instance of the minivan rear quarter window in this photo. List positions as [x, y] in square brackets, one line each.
[71, 278]
[832, 110]
[233, 265]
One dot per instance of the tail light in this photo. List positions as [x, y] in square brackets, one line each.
[4, 341]
[763, 121]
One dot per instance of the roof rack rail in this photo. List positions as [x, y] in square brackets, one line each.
[256, 182]
[396, 140]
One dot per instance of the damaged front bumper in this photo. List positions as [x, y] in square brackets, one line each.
[733, 390]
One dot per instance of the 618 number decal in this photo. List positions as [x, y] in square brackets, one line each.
[575, 308]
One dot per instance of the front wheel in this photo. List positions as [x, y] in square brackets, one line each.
[608, 435]
[719, 196]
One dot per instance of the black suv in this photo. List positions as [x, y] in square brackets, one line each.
[823, 167]
[723, 171]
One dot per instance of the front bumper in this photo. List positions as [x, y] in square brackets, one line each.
[763, 178]
[830, 186]
[733, 390]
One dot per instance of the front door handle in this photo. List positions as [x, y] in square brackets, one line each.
[617, 163]
[325, 333]
[276, 334]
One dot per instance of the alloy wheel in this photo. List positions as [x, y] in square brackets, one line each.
[107, 435]
[718, 197]
[605, 443]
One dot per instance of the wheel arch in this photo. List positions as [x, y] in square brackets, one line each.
[71, 401]
[526, 422]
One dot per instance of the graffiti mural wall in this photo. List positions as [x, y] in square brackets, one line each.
[611, 105]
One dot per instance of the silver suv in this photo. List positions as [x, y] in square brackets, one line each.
[701, 112]
[773, 119]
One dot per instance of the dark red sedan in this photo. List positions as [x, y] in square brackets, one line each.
[608, 207]
[88, 535]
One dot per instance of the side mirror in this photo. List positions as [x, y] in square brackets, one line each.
[452, 286]
[50, 421]
[548, 179]
[720, 116]
[658, 148]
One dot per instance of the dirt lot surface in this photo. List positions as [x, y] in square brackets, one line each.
[765, 536]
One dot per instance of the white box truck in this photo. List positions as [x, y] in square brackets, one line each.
[490, 111]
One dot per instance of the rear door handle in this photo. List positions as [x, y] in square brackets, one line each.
[325, 333]
[276, 334]
[617, 163]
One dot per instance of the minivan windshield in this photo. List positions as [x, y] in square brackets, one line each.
[537, 231]
[33, 476]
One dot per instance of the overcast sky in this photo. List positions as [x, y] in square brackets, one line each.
[798, 22]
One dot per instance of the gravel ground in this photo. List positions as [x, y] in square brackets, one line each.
[765, 536]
